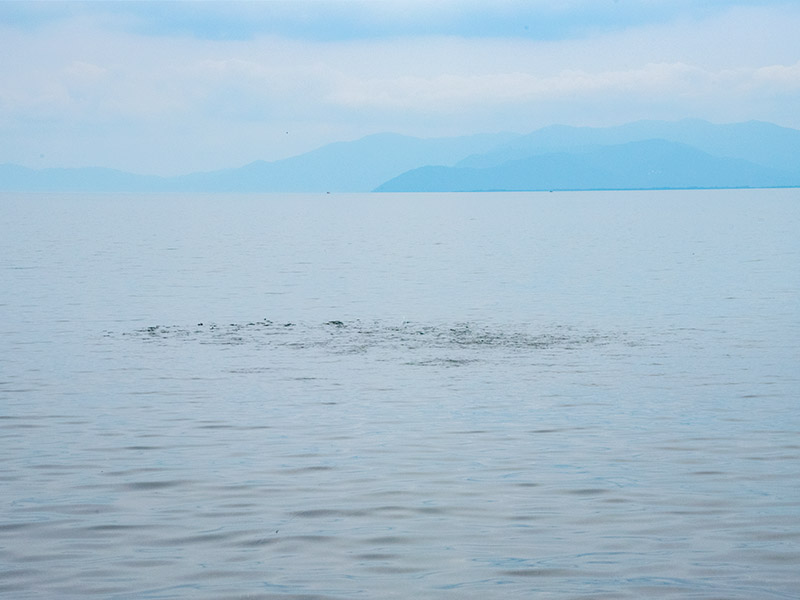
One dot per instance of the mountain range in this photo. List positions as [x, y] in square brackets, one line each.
[640, 155]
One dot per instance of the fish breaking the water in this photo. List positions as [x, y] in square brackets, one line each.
[347, 337]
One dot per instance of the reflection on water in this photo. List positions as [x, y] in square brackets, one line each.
[595, 429]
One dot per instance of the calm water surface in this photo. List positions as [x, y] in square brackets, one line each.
[589, 395]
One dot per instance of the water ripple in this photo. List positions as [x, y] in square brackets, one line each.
[359, 337]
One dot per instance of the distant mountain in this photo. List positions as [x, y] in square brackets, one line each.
[644, 154]
[761, 143]
[648, 164]
[357, 166]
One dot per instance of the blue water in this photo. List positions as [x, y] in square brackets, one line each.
[550, 395]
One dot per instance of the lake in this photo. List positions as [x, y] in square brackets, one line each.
[489, 395]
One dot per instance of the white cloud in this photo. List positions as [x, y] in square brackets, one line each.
[783, 78]
[655, 80]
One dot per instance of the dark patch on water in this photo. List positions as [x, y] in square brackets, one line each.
[152, 485]
[359, 337]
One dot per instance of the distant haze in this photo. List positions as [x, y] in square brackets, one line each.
[172, 88]
[641, 155]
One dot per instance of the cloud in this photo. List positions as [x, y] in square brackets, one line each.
[140, 76]
[782, 78]
[653, 81]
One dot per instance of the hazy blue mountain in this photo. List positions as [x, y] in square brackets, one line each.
[690, 153]
[761, 143]
[357, 166]
[649, 164]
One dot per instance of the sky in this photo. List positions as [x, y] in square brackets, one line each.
[174, 87]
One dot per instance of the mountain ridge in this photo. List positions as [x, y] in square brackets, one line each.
[646, 164]
[586, 157]
[753, 141]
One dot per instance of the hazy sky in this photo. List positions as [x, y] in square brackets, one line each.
[169, 88]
